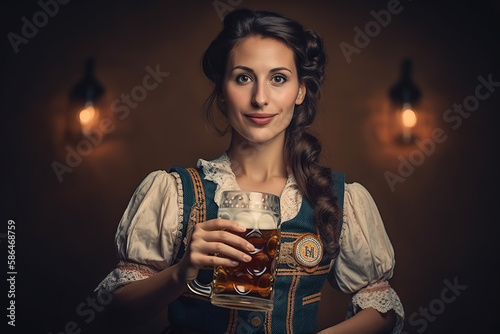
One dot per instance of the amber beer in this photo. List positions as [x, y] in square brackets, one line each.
[252, 280]
[250, 285]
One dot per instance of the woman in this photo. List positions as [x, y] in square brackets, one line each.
[267, 71]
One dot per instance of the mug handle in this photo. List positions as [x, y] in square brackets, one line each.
[199, 288]
[195, 215]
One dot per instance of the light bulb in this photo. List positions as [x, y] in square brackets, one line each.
[87, 114]
[409, 118]
[88, 117]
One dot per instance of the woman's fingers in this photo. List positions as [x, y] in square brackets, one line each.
[219, 230]
[201, 260]
[229, 238]
[222, 224]
[215, 237]
[225, 249]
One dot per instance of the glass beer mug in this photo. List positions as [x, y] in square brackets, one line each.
[249, 286]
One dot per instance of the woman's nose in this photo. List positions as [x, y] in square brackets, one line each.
[260, 95]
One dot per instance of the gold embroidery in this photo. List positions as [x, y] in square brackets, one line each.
[311, 299]
[233, 322]
[290, 235]
[291, 304]
[297, 271]
[286, 254]
[198, 211]
[199, 193]
[267, 322]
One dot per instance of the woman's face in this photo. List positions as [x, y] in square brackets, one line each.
[261, 89]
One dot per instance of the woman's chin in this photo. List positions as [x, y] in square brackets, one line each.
[259, 137]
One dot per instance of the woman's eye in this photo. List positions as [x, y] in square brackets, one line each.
[243, 78]
[279, 79]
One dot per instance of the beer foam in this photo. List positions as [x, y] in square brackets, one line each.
[251, 219]
[247, 219]
[267, 222]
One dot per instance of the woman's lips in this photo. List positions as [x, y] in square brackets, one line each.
[260, 119]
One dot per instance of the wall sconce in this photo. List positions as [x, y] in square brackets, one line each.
[404, 96]
[85, 94]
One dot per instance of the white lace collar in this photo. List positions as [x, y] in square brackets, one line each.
[219, 171]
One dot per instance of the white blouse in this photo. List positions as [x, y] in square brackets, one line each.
[150, 232]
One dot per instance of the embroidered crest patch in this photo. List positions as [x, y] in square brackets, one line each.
[308, 251]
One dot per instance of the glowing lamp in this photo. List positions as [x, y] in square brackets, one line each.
[404, 96]
[86, 93]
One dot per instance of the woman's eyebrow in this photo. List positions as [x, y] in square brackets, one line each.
[248, 69]
[277, 69]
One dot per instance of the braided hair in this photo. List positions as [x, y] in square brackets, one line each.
[302, 149]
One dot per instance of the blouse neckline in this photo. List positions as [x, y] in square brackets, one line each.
[220, 172]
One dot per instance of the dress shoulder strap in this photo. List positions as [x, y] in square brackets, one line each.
[339, 189]
[193, 201]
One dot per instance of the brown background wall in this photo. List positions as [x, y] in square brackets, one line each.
[439, 219]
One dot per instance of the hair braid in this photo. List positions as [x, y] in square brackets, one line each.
[302, 149]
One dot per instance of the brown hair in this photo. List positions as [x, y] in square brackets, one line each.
[302, 149]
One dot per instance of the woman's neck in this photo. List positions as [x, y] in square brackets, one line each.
[258, 166]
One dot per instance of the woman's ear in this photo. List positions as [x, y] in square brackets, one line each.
[301, 95]
[221, 97]
[221, 103]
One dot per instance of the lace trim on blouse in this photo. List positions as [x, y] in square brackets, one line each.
[219, 171]
[180, 225]
[382, 298]
[124, 273]
[379, 296]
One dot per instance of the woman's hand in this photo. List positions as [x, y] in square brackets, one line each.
[210, 238]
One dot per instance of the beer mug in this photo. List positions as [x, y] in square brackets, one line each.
[250, 285]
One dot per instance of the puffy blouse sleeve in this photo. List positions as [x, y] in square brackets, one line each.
[366, 259]
[149, 231]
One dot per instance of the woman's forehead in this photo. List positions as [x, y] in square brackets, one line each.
[261, 52]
